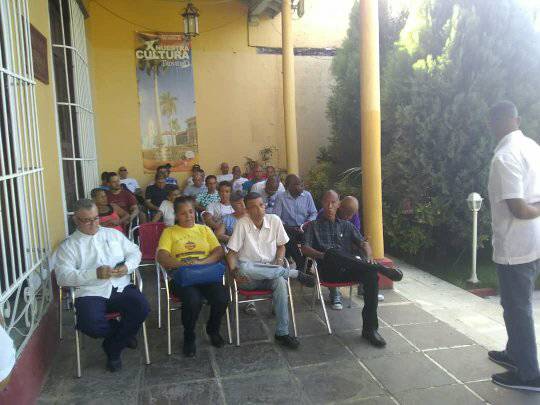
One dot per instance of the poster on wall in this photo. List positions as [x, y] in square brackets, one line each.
[166, 101]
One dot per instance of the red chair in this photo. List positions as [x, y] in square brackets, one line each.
[137, 280]
[254, 296]
[318, 291]
[173, 299]
[149, 234]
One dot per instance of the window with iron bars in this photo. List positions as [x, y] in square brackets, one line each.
[25, 284]
[74, 103]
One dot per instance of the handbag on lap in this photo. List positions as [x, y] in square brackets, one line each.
[196, 274]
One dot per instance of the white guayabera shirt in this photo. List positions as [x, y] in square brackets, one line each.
[7, 354]
[514, 173]
[80, 255]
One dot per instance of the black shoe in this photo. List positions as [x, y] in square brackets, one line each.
[306, 279]
[132, 343]
[502, 359]
[216, 340]
[114, 365]
[288, 341]
[510, 379]
[374, 338]
[392, 273]
[190, 349]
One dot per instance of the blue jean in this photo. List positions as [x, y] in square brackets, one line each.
[273, 278]
[516, 284]
[91, 310]
[335, 295]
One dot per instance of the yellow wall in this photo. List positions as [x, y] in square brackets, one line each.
[39, 17]
[238, 92]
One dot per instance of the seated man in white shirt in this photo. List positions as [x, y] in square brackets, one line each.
[269, 189]
[255, 259]
[225, 175]
[238, 180]
[99, 261]
[131, 183]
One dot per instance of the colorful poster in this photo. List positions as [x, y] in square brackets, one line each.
[166, 101]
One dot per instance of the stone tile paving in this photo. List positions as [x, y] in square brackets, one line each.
[426, 362]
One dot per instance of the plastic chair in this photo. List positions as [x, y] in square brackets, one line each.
[137, 280]
[254, 296]
[149, 234]
[173, 299]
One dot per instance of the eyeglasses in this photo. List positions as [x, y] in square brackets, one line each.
[122, 170]
[87, 220]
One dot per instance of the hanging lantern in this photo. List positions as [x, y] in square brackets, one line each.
[191, 21]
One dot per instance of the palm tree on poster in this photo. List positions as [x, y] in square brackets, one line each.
[168, 106]
[154, 67]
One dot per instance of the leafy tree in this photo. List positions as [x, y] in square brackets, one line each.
[437, 83]
[437, 146]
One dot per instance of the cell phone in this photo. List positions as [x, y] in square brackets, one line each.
[120, 264]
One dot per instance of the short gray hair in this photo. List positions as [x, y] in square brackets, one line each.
[84, 204]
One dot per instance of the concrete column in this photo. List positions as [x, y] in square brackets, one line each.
[289, 94]
[370, 115]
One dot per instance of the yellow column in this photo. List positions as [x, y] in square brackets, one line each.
[370, 116]
[289, 95]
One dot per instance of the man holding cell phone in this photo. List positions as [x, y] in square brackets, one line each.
[99, 261]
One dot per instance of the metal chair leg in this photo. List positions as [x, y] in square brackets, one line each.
[229, 333]
[78, 353]
[60, 310]
[292, 308]
[145, 338]
[236, 317]
[350, 296]
[158, 297]
[169, 351]
[322, 302]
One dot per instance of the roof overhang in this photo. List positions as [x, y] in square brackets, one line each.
[259, 8]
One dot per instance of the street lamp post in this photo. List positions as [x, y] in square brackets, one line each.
[474, 201]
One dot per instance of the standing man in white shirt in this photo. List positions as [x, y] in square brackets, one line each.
[255, 259]
[514, 194]
[99, 261]
[225, 175]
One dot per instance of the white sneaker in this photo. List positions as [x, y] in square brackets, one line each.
[250, 309]
[380, 297]
[337, 306]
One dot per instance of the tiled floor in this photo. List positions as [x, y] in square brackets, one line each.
[425, 362]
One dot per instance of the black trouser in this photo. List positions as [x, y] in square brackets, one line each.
[296, 237]
[191, 298]
[340, 267]
[133, 308]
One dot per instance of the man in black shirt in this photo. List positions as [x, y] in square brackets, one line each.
[156, 193]
[334, 243]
